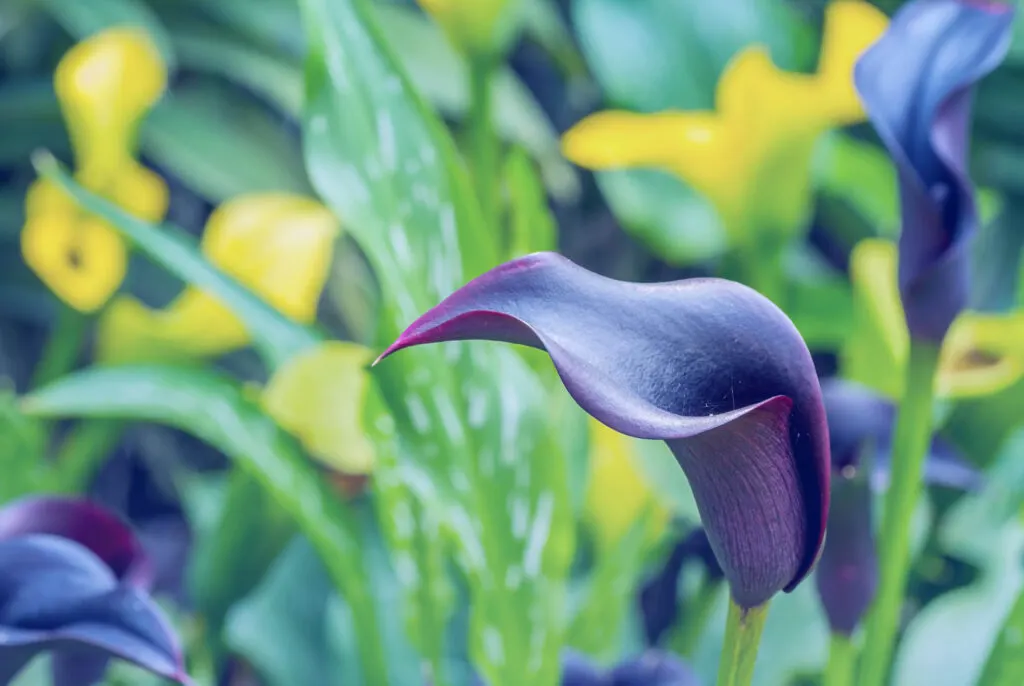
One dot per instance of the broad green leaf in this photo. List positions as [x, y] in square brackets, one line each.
[1005, 664]
[275, 336]
[862, 175]
[474, 418]
[82, 19]
[249, 531]
[22, 449]
[210, 50]
[220, 146]
[216, 409]
[29, 118]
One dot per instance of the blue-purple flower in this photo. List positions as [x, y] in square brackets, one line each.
[707, 365]
[861, 426]
[72, 581]
[916, 84]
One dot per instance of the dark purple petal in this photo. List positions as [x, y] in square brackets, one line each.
[579, 670]
[659, 601]
[916, 84]
[654, 668]
[709, 366]
[55, 594]
[86, 523]
[858, 416]
[847, 574]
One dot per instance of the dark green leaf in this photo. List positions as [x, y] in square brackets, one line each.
[82, 19]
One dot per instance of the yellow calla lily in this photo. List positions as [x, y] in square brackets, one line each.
[278, 245]
[981, 355]
[751, 157]
[617, 494]
[478, 27]
[105, 85]
[318, 396]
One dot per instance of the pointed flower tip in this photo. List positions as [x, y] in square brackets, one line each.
[708, 365]
[916, 83]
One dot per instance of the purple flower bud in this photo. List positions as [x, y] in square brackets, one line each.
[916, 84]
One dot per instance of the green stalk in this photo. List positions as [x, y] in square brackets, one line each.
[62, 347]
[910, 444]
[743, 628]
[485, 146]
[841, 658]
[84, 450]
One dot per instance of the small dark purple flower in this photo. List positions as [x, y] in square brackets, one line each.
[72, 581]
[709, 366]
[916, 84]
[859, 421]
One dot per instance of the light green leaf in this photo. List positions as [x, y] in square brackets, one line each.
[863, 175]
[275, 336]
[532, 225]
[215, 409]
[221, 147]
[82, 19]
[1005, 665]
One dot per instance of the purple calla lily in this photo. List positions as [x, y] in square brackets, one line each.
[72, 581]
[847, 575]
[916, 83]
[709, 366]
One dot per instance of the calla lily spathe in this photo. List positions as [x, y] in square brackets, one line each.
[980, 355]
[278, 245]
[105, 86]
[751, 156]
[917, 84]
[618, 494]
[707, 365]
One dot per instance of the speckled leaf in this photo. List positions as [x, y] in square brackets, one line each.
[475, 421]
[214, 408]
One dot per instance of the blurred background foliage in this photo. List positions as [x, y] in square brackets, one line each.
[252, 598]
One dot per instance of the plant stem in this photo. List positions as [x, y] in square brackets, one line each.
[62, 347]
[841, 655]
[910, 444]
[485, 146]
[742, 636]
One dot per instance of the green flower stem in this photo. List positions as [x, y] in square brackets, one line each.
[743, 629]
[485, 146]
[910, 444]
[841, 657]
[698, 611]
[62, 347]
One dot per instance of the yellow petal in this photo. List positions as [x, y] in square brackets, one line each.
[617, 493]
[981, 355]
[105, 84]
[476, 26]
[318, 396]
[141, 192]
[279, 245]
[81, 259]
[851, 27]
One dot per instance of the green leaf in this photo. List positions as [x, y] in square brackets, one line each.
[1005, 665]
[862, 175]
[474, 418]
[275, 336]
[215, 409]
[220, 146]
[29, 118]
[532, 225]
[232, 555]
[82, 19]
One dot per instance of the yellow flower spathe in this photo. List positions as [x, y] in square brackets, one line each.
[278, 245]
[105, 85]
[751, 157]
[318, 396]
[479, 27]
[617, 494]
[982, 353]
